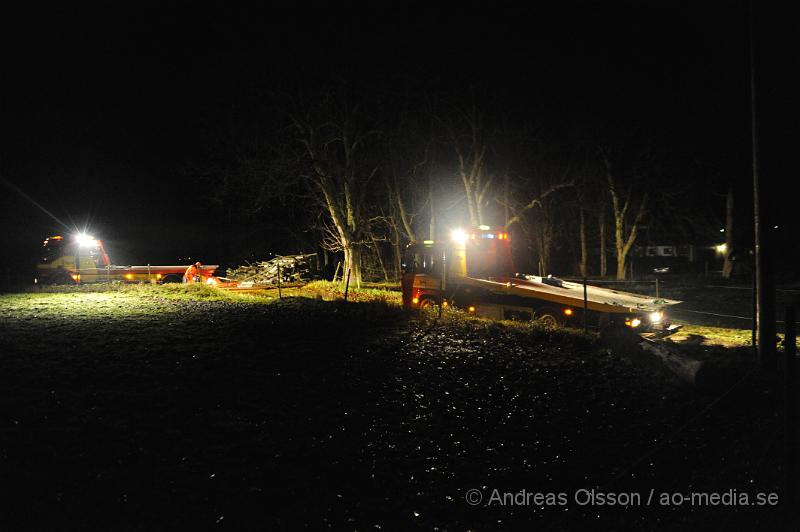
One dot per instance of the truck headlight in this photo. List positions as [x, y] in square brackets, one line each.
[656, 317]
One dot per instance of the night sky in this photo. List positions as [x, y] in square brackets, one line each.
[106, 109]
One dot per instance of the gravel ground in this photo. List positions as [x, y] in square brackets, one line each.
[127, 412]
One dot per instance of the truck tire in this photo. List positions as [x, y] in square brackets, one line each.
[549, 318]
[428, 302]
[61, 276]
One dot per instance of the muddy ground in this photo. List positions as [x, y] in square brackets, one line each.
[138, 412]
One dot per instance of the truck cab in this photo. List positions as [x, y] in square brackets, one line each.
[67, 260]
[429, 266]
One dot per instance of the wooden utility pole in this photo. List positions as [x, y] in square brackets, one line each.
[765, 285]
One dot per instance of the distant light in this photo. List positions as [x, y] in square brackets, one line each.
[459, 236]
[427, 242]
[775, 227]
[722, 230]
[471, 309]
[721, 248]
[484, 227]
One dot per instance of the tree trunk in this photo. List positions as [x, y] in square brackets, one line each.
[432, 226]
[505, 202]
[619, 227]
[545, 239]
[603, 258]
[584, 251]
[380, 260]
[620, 266]
[398, 254]
[727, 267]
[352, 263]
[472, 207]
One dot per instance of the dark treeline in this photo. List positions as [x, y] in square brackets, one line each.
[357, 172]
[585, 140]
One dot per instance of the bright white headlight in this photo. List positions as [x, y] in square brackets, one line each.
[655, 317]
[85, 240]
[458, 236]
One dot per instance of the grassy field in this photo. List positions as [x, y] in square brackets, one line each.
[164, 408]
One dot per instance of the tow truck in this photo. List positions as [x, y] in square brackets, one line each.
[82, 258]
[475, 272]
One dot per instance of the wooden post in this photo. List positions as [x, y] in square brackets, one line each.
[336, 273]
[754, 338]
[585, 306]
[347, 285]
[148, 273]
[790, 409]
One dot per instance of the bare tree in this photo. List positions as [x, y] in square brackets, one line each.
[333, 136]
[467, 137]
[535, 202]
[624, 232]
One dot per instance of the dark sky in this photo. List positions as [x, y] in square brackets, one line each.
[105, 106]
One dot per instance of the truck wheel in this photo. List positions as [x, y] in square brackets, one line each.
[549, 318]
[427, 302]
[62, 277]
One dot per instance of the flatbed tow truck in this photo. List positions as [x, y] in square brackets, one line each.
[83, 259]
[475, 272]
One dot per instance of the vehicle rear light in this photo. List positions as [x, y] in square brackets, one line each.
[129, 276]
[414, 300]
[158, 276]
[568, 312]
[471, 309]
